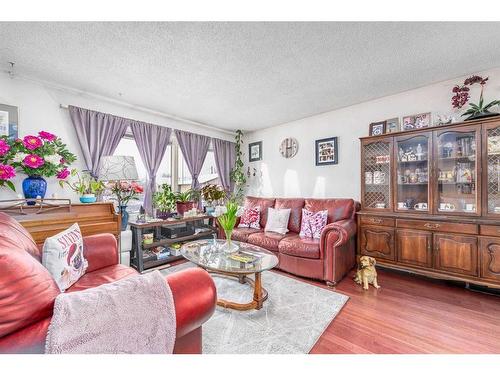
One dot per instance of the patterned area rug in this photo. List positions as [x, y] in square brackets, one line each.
[291, 321]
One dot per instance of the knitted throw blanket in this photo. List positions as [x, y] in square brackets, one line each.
[133, 315]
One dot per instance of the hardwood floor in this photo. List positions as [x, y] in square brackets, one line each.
[411, 314]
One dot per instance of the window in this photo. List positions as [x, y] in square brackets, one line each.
[208, 172]
[128, 147]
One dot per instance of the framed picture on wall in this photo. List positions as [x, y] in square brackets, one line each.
[9, 121]
[377, 128]
[327, 151]
[255, 151]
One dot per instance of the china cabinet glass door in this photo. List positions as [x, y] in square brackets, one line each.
[376, 175]
[492, 144]
[412, 172]
[456, 155]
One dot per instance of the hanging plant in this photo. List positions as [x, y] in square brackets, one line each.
[237, 175]
[461, 96]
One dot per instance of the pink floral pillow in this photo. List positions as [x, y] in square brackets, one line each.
[313, 223]
[250, 218]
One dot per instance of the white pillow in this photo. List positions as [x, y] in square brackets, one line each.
[277, 220]
[63, 257]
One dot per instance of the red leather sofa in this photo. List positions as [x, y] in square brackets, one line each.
[328, 258]
[27, 290]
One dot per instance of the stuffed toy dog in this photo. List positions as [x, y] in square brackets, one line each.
[366, 273]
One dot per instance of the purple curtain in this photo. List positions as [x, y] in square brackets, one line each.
[225, 158]
[152, 141]
[98, 134]
[194, 148]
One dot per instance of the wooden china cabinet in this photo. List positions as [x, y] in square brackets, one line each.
[430, 201]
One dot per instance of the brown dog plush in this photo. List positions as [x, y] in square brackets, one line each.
[366, 273]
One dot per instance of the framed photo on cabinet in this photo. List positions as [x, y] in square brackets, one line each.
[327, 151]
[392, 125]
[377, 128]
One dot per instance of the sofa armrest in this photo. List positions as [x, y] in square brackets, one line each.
[337, 248]
[100, 250]
[338, 233]
[195, 298]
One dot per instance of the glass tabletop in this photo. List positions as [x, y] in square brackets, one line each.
[247, 259]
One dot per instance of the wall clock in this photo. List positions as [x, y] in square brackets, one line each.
[289, 147]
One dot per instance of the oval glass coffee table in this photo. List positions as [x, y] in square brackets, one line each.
[249, 259]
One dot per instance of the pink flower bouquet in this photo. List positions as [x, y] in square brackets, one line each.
[43, 155]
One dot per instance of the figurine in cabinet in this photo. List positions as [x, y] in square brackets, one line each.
[447, 150]
[401, 154]
[420, 152]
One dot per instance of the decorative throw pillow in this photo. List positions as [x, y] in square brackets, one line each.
[250, 218]
[313, 223]
[277, 220]
[63, 257]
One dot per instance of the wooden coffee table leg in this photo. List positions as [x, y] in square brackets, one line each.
[257, 292]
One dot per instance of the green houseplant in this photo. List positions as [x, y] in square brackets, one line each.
[237, 174]
[164, 201]
[227, 217]
[186, 200]
[85, 185]
[212, 194]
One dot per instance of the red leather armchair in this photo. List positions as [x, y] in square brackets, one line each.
[27, 290]
[329, 258]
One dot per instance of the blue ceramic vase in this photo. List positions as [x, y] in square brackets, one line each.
[33, 187]
[124, 214]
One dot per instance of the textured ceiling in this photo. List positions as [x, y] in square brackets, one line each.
[247, 75]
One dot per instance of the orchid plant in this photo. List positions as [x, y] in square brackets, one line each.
[461, 95]
[42, 155]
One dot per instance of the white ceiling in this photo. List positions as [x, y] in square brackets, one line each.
[248, 75]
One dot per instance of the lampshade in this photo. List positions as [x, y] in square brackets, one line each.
[117, 167]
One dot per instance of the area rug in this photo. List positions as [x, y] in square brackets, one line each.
[291, 321]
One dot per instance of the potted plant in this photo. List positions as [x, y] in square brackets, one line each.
[164, 201]
[212, 194]
[461, 96]
[85, 185]
[227, 216]
[186, 200]
[124, 191]
[237, 174]
[43, 155]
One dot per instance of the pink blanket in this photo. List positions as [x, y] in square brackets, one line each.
[134, 315]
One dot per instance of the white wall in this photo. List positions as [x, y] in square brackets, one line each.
[299, 177]
[39, 109]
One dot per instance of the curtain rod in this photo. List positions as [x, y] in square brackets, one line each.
[157, 113]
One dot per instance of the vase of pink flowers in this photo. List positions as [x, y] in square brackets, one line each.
[40, 156]
[124, 191]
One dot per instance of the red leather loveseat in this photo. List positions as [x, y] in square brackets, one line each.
[27, 290]
[328, 258]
